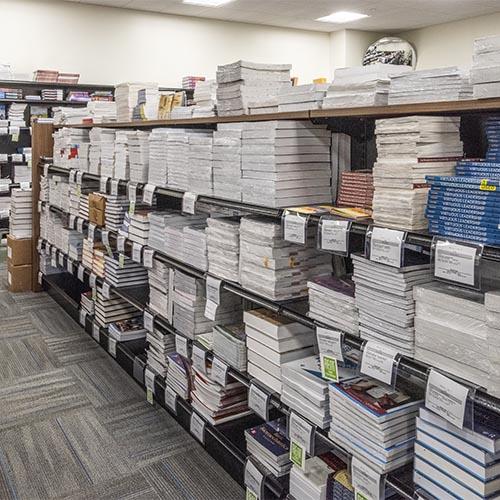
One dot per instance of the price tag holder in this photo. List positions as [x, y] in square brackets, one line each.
[213, 287]
[132, 192]
[378, 361]
[91, 232]
[148, 193]
[366, 482]
[46, 170]
[92, 280]
[211, 310]
[121, 261]
[219, 371]
[258, 401]
[71, 222]
[331, 352]
[446, 398]
[189, 203]
[301, 435]
[60, 259]
[79, 225]
[147, 257]
[385, 246]
[53, 261]
[199, 359]
[69, 266]
[25, 185]
[40, 277]
[254, 481]
[103, 185]
[83, 316]
[96, 332]
[112, 347]
[114, 184]
[456, 263]
[171, 399]
[79, 178]
[149, 321]
[15, 137]
[149, 381]
[181, 346]
[105, 241]
[197, 427]
[295, 227]
[120, 243]
[106, 290]
[72, 176]
[81, 272]
[333, 235]
[137, 252]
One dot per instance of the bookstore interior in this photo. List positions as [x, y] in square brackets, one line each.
[262, 265]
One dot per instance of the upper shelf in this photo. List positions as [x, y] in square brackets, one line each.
[442, 108]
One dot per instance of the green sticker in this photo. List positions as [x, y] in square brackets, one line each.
[251, 495]
[297, 454]
[329, 368]
[131, 208]
[149, 396]
[360, 496]
[121, 260]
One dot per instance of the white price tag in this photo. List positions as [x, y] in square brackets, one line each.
[40, 277]
[79, 178]
[378, 361]
[197, 427]
[148, 320]
[330, 343]
[181, 346]
[53, 261]
[121, 261]
[83, 315]
[137, 252]
[39, 245]
[46, 170]
[171, 399]
[91, 232]
[147, 257]
[295, 228]
[120, 243]
[79, 225]
[96, 332]
[112, 347]
[71, 223]
[81, 272]
[219, 371]
[211, 310]
[106, 290]
[386, 246]
[60, 258]
[254, 482]
[149, 380]
[105, 241]
[4, 188]
[103, 184]
[455, 262]
[39, 207]
[258, 401]
[132, 192]
[199, 359]
[25, 185]
[15, 137]
[302, 433]
[92, 280]
[446, 398]
[189, 202]
[213, 286]
[334, 236]
[69, 266]
[114, 187]
[148, 193]
[72, 176]
[366, 482]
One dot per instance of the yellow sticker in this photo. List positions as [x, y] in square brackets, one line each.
[484, 186]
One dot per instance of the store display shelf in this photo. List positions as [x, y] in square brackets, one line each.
[44, 102]
[12, 185]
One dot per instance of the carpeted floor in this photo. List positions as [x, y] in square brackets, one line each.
[73, 425]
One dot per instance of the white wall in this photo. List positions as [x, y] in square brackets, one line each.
[109, 45]
[450, 44]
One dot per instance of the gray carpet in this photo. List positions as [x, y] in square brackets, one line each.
[73, 425]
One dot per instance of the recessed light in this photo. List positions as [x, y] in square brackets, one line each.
[207, 3]
[342, 17]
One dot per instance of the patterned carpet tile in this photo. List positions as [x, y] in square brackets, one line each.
[17, 325]
[8, 306]
[34, 301]
[51, 318]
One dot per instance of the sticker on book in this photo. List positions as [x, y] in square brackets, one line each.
[181, 346]
[147, 258]
[103, 184]
[114, 187]
[112, 346]
[211, 310]
[213, 288]
[149, 381]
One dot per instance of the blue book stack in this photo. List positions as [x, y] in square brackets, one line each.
[467, 206]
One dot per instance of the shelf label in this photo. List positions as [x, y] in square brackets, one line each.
[258, 401]
[377, 361]
[149, 382]
[103, 185]
[60, 259]
[79, 178]
[114, 187]
[120, 243]
[46, 170]
[197, 427]
[148, 193]
[106, 290]
[131, 208]
[112, 346]
[454, 262]
[367, 483]
[301, 439]
[15, 137]
[121, 261]
[91, 232]
[148, 320]
[105, 241]
[446, 398]
[171, 399]
[189, 203]
[79, 225]
[81, 272]
[219, 371]
[137, 252]
[25, 186]
[53, 261]
[69, 266]
[199, 359]
[147, 258]
[213, 286]
[40, 277]
[295, 228]
[72, 176]
[71, 222]
[330, 343]
[83, 316]
[96, 332]
[254, 481]
[211, 310]
[92, 280]
[181, 346]
[386, 246]
[132, 192]
[335, 236]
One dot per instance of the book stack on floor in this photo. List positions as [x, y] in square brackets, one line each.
[226, 161]
[241, 82]
[107, 152]
[116, 208]
[409, 149]
[20, 223]
[302, 97]
[177, 159]
[430, 85]
[159, 347]
[384, 297]
[114, 309]
[374, 422]
[356, 189]
[331, 302]
[492, 306]
[138, 149]
[205, 96]
[361, 86]
[268, 444]
[158, 158]
[485, 71]
[286, 163]
[457, 463]
[126, 97]
[129, 274]
[273, 267]
[229, 344]
[130, 329]
[216, 403]
[19, 264]
[223, 246]
[200, 163]
[179, 377]
[122, 160]
[272, 341]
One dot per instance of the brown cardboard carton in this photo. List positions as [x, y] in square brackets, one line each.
[19, 278]
[97, 201]
[18, 250]
[97, 216]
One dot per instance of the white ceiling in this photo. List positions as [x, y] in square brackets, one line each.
[385, 15]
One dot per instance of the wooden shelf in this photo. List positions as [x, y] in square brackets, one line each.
[44, 102]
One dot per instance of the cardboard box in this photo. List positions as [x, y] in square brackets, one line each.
[97, 216]
[97, 201]
[19, 278]
[18, 250]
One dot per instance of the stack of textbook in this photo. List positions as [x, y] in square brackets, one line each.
[223, 245]
[229, 344]
[179, 377]
[301, 97]
[161, 289]
[492, 305]
[205, 96]
[158, 148]
[485, 72]
[127, 98]
[138, 226]
[159, 347]
[130, 329]
[200, 163]
[122, 159]
[20, 222]
[138, 148]
[114, 309]
[116, 208]
[125, 274]
[177, 159]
